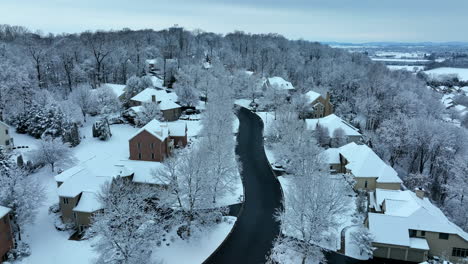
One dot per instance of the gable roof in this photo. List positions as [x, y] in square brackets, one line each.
[363, 162]
[404, 211]
[161, 95]
[311, 96]
[157, 82]
[280, 83]
[162, 130]
[168, 104]
[4, 211]
[4, 124]
[333, 122]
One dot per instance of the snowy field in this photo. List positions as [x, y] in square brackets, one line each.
[59, 249]
[406, 68]
[461, 72]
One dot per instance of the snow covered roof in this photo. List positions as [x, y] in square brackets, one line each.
[363, 162]
[447, 100]
[311, 96]
[4, 124]
[404, 211]
[333, 122]
[280, 83]
[118, 89]
[464, 89]
[147, 94]
[142, 170]
[89, 202]
[168, 104]
[151, 61]
[157, 82]
[4, 211]
[162, 130]
[331, 156]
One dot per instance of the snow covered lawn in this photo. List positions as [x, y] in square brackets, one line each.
[351, 248]
[461, 72]
[198, 248]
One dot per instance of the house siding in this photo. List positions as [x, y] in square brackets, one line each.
[6, 236]
[5, 138]
[326, 108]
[388, 185]
[361, 183]
[83, 219]
[160, 148]
[399, 252]
[67, 209]
[172, 114]
[442, 247]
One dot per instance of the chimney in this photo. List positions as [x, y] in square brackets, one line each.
[328, 97]
[419, 192]
[153, 98]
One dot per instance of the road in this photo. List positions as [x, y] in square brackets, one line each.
[252, 237]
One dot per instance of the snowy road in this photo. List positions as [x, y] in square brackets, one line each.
[252, 237]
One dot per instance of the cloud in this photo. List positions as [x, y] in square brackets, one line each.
[322, 20]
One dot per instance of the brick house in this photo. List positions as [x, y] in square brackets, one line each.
[6, 233]
[321, 106]
[166, 101]
[155, 141]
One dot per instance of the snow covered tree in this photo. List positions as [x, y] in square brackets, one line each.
[83, 97]
[101, 129]
[363, 238]
[339, 138]
[72, 135]
[149, 111]
[51, 151]
[322, 135]
[290, 250]
[133, 221]
[187, 95]
[273, 99]
[23, 194]
[107, 101]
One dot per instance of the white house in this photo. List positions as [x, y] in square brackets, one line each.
[407, 226]
[277, 83]
[166, 101]
[118, 89]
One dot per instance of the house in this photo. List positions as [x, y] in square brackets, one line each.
[118, 89]
[167, 102]
[367, 169]
[156, 140]
[407, 226]
[5, 139]
[78, 188]
[6, 234]
[332, 123]
[320, 106]
[277, 83]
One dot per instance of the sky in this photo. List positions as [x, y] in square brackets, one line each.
[354, 21]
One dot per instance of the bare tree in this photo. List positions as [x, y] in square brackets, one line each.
[50, 151]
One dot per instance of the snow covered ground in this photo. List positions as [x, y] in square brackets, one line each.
[351, 248]
[461, 72]
[196, 250]
[406, 67]
[53, 247]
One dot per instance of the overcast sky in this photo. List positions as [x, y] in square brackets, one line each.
[317, 20]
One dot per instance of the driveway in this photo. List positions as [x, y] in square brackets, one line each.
[251, 238]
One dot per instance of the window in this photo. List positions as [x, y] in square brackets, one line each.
[138, 145]
[152, 145]
[139, 156]
[65, 200]
[74, 215]
[412, 233]
[460, 252]
[444, 236]
[423, 233]
[152, 156]
[6, 131]
[7, 142]
[365, 184]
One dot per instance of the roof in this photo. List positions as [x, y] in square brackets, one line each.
[404, 211]
[280, 83]
[168, 104]
[333, 122]
[311, 96]
[157, 82]
[162, 130]
[118, 89]
[4, 211]
[88, 177]
[151, 61]
[331, 156]
[364, 163]
[161, 95]
[4, 124]
[89, 202]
